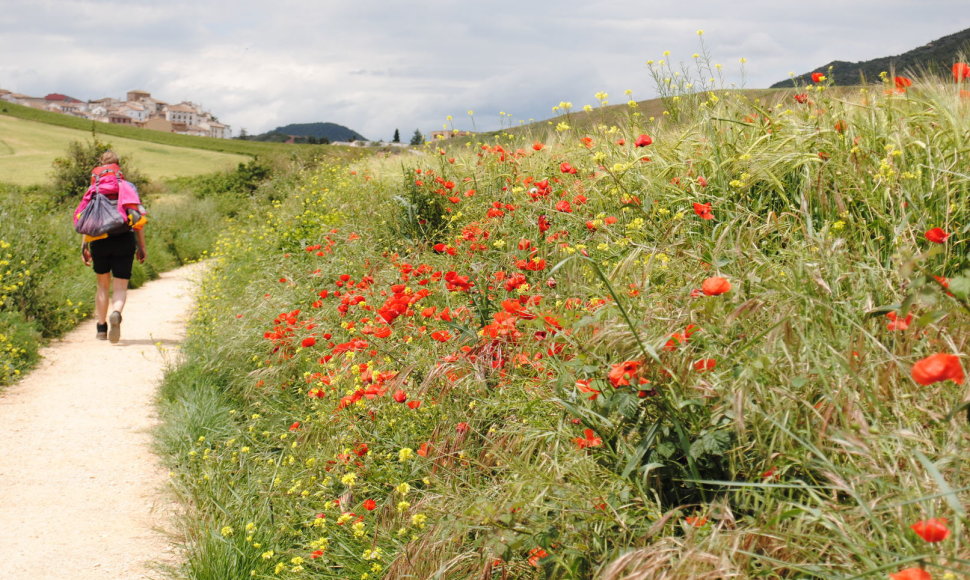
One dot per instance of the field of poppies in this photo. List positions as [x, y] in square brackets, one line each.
[726, 342]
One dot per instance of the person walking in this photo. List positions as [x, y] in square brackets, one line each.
[113, 255]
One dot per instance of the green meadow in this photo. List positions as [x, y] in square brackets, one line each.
[27, 149]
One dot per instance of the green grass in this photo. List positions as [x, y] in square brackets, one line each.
[783, 438]
[234, 146]
[27, 149]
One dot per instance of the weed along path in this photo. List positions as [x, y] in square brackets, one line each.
[81, 494]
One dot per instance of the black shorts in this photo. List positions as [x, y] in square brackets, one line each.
[114, 254]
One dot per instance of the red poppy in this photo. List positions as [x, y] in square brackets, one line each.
[441, 335]
[705, 364]
[563, 206]
[703, 210]
[400, 396]
[911, 574]
[295, 426]
[308, 342]
[643, 141]
[590, 440]
[817, 77]
[537, 146]
[565, 167]
[543, 223]
[583, 386]
[801, 98]
[961, 70]
[715, 285]
[932, 530]
[902, 83]
[696, 521]
[896, 323]
[936, 235]
[938, 367]
[620, 374]
[370, 505]
[536, 554]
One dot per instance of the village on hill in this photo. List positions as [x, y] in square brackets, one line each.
[139, 109]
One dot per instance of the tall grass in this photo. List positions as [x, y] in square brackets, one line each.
[477, 395]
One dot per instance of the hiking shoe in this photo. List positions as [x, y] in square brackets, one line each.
[102, 331]
[114, 333]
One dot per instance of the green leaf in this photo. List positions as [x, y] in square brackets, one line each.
[711, 443]
[960, 287]
[637, 456]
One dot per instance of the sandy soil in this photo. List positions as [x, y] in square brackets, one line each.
[81, 494]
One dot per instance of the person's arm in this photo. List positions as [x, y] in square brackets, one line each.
[140, 251]
[85, 252]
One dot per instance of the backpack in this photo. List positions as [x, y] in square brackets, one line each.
[102, 215]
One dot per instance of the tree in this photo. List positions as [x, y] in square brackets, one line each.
[397, 137]
[417, 138]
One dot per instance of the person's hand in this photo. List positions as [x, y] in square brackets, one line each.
[141, 255]
[86, 256]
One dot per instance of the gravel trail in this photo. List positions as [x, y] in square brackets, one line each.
[82, 496]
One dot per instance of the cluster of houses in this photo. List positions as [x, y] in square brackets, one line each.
[138, 109]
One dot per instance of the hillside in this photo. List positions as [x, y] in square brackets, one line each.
[207, 143]
[332, 132]
[27, 149]
[935, 57]
[711, 347]
[30, 139]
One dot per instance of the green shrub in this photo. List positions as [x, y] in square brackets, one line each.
[72, 173]
[19, 344]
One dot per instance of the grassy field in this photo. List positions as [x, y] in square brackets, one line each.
[27, 149]
[236, 146]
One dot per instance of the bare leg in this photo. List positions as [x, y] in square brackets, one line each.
[101, 298]
[119, 292]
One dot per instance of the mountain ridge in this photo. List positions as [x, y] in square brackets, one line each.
[332, 132]
[935, 57]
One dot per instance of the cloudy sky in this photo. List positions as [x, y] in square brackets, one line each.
[380, 65]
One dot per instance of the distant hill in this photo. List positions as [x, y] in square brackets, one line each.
[936, 57]
[312, 132]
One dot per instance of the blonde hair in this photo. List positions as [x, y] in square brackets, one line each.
[109, 157]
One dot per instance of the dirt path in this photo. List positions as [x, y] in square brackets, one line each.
[81, 494]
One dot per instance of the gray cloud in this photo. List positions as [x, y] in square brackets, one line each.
[376, 66]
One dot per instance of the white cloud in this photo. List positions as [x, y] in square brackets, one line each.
[376, 66]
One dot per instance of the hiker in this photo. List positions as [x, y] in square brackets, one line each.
[113, 254]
